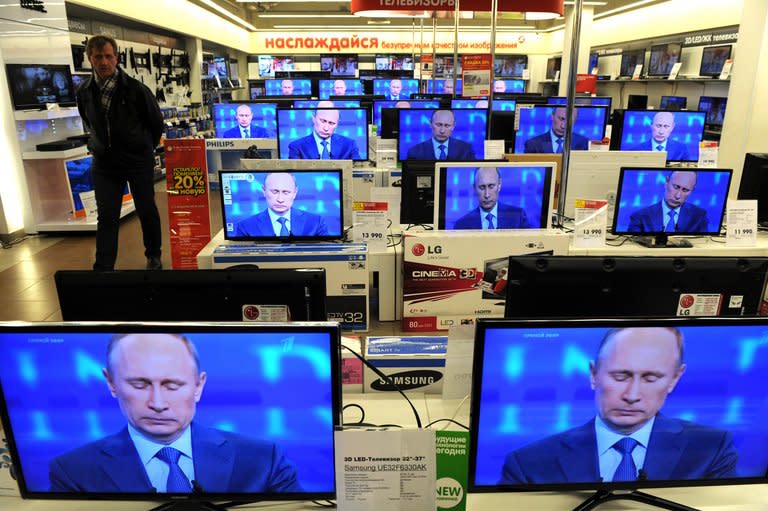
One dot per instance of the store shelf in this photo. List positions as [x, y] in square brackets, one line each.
[41, 115]
[55, 155]
[80, 224]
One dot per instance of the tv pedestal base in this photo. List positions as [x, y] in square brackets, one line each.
[661, 241]
[602, 496]
[189, 505]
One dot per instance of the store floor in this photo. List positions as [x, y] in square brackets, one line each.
[27, 288]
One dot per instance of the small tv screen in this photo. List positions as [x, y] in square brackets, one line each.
[313, 103]
[288, 87]
[713, 58]
[444, 66]
[269, 64]
[34, 85]
[673, 103]
[284, 205]
[715, 109]
[508, 86]
[322, 133]
[395, 89]
[491, 196]
[542, 128]
[677, 133]
[440, 134]
[553, 67]
[617, 404]
[630, 59]
[593, 60]
[663, 57]
[340, 87]
[245, 120]
[339, 65]
[444, 86]
[582, 100]
[80, 180]
[394, 62]
[219, 66]
[510, 66]
[171, 412]
[379, 105]
[637, 101]
[669, 201]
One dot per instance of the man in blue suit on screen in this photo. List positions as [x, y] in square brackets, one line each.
[322, 143]
[157, 381]
[244, 128]
[628, 440]
[661, 129]
[674, 213]
[490, 214]
[441, 145]
[553, 139]
[280, 218]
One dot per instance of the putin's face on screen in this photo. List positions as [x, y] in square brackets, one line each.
[678, 187]
[280, 191]
[286, 87]
[339, 88]
[244, 116]
[487, 187]
[395, 87]
[325, 122]
[442, 124]
[663, 125]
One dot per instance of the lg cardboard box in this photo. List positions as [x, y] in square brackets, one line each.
[452, 277]
[412, 363]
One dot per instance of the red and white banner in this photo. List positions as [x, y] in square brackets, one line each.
[476, 75]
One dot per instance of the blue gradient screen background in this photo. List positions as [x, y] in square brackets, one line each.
[264, 115]
[499, 105]
[689, 130]
[410, 87]
[312, 103]
[380, 104]
[470, 126]
[301, 87]
[293, 124]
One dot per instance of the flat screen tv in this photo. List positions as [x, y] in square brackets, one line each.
[181, 413]
[510, 66]
[423, 131]
[394, 62]
[288, 87]
[617, 405]
[339, 65]
[391, 88]
[245, 120]
[269, 64]
[582, 100]
[678, 133]
[631, 59]
[553, 67]
[598, 287]
[713, 58]
[490, 196]
[593, 61]
[312, 103]
[34, 85]
[663, 57]
[241, 294]
[80, 180]
[539, 126]
[501, 86]
[380, 104]
[283, 205]
[715, 109]
[339, 87]
[637, 101]
[79, 78]
[444, 86]
[301, 133]
[673, 103]
[663, 202]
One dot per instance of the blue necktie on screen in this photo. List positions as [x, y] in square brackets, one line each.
[325, 155]
[489, 217]
[177, 481]
[671, 223]
[626, 471]
[659, 147]
[283, 229]
[559, 145]
[442, 152]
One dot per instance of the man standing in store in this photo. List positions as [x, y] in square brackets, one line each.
[125, 125]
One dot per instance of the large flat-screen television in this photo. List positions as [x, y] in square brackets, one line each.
[380, 104]
[175, 412]
[490, 196]
[282, 205]
[288, 87]
[34, 85]
[713, 58]
[423, 131]
[508, 86]
[301, 134]
[715, 109]
[539, 126]
[313, 103]
[598, 287]
[673, 103]
[391, 88]
[663, 58]
[499, 105]
[443, 86]
[245, 120]
[663, 202]
[677, 133]
[629, 60]
[339, 65]
[394, 62]
[582, 100]
[612, 405]
[339, 87]
[239, 294]
[553, 67]
[510, 66]
[268, 64]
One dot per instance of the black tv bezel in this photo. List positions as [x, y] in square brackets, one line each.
[366, 130]
[555, 69]
[698, 107]
[333, 329]
[654, 112]
[18, 105]
[663, 47]
[683, 106]
[290, 239]
[620, 189]
[399, 125]
[484, 324]
[389, 56]
[337, 55]
[625, 56]
[520, 57]
[710, 48]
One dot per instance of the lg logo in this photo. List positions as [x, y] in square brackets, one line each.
[419, 249]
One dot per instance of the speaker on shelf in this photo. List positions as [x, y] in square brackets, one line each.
[754, 184]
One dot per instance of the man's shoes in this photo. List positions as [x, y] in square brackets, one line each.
[154, 263]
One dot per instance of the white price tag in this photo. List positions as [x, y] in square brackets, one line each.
[675, 69]
[742, 223]
[589, 231]
[726, 71]
[369, 221]
[494, 149]
[708, 155]
[637, 71]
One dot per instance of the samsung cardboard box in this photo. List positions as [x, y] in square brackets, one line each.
[345, 264]
[452, 277]
[412, 363]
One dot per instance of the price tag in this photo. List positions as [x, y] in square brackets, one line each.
[708, 154]
[589, 231]
[742, 223]
[369, 224]
[637, 71]
[386, 153]
[675, 70]
[494, 149]
[726, 71]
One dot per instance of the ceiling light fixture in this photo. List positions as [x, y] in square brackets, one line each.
[306, 15]
[228, 14]
[627, 7]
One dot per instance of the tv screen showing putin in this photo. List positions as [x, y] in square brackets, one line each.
[678, 133]
[442, 134]
[245, 120]
[288, 87]
[322, 133]
[542, 128]
[339, 87]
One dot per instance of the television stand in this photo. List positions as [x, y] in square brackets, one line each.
[661, 241]
[602, 496]
[189, 505]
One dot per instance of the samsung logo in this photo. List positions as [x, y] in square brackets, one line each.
[408, 380]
